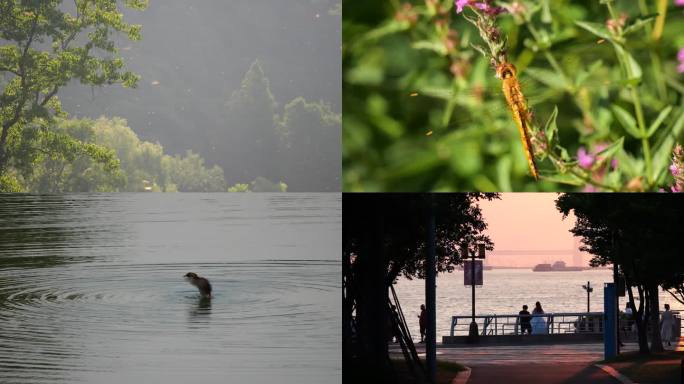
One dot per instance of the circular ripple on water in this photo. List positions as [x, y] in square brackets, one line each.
[101, 319]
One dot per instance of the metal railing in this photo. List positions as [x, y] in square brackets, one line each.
[554, 323]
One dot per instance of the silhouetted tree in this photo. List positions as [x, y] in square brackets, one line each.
[384, 236]
[640, 233]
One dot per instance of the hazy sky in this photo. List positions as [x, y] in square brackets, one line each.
[528, 221]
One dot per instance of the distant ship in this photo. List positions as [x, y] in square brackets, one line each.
[558, 266]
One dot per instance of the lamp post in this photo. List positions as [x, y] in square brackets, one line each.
[473, 333]
[589, 290]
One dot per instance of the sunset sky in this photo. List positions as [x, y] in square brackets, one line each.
[528, 221]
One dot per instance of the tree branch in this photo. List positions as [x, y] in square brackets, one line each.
[49, 96]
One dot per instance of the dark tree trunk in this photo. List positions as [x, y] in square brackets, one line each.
[347, 311]
[371, 305]
[3, 145]
[637, 314]
[654, 320]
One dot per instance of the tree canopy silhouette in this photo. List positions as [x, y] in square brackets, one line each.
[639, 233]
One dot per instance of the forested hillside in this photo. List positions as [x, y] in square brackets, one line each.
[246, 91]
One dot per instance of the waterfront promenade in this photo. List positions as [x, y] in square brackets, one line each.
[558, 363]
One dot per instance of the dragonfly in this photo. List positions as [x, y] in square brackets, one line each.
[518, 106]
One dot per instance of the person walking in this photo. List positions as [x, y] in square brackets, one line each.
[422, 321]
[525, 318]
[666, 324]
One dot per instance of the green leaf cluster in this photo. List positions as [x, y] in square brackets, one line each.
[46, 45]
[423, 109]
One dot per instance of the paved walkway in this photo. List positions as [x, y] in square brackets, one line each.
[557, 373]
[562, 363]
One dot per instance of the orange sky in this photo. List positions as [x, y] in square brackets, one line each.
[528, 221]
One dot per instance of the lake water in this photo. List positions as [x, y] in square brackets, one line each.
[92, 289]
[505, 291]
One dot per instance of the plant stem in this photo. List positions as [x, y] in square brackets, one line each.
[549, 57]
[660, 20]
[642, 130]
[658, 75]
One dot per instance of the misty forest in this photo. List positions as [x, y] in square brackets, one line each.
[172, 95]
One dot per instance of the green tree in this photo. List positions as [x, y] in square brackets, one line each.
[262, 184]
[46, 47]
[65, 158]
[188, 174]
[105, 155]
[250, 115]
[310, 146]
[638, 233]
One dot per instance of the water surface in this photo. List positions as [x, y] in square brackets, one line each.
[91, 288]
[505, 291]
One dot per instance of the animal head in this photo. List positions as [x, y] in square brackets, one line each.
[505, 71]
[191, 275]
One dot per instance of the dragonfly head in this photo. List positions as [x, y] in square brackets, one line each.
[505, 71]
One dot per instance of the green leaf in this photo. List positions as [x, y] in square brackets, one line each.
[627, 164]
[631, 67]
[597, 29]
[503, 173]
[638, 24]
[626, 120]
[435, 46]
[664, 148]
[546, 12]
[567, 178]
[547, 77]
[550, 128]
[582, 76]
[608, 152]
[656, 123]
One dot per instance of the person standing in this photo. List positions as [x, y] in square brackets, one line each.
[422, 321]
[525, 318]
[666, 324]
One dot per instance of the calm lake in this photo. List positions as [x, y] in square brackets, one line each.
[505, 291]
[92, 288]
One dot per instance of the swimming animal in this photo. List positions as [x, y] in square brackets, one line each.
[201, 283]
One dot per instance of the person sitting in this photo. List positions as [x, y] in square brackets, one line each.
[524, 317]
[538, 323]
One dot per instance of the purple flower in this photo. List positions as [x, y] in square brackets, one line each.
[584, 159]
[679, 3]
[674, 170]
[460, 4]
[676, 188]
[680, 57]
[488, 9]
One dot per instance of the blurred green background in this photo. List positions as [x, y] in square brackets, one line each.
[423, 110]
